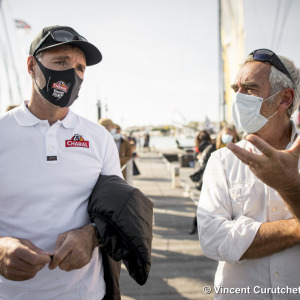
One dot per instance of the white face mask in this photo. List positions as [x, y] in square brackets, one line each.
[117, 136]
[226, 138]
[246, 112]
[113, 131]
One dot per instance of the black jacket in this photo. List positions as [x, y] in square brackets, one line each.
[123, 216]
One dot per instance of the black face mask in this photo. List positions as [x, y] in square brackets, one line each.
[203, 144]
[62, 87]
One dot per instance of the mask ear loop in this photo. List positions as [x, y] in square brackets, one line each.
[270, 98]
[42, 68]
[272, 115]
[272, 95]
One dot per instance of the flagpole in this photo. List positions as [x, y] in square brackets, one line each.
[221, 71]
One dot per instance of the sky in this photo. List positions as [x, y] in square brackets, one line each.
[160, 57]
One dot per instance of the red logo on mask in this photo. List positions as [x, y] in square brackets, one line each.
[60, 85]
[77, 141]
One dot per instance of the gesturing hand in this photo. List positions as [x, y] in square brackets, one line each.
[74, 248]
[20, 259]
[276, 168]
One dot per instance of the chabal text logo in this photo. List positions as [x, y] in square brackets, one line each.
[77, 141]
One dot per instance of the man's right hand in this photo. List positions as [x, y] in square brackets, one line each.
[20, 259]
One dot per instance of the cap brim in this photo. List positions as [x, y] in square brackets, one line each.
[92, 53]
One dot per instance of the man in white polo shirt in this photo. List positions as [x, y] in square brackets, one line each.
[50, 161]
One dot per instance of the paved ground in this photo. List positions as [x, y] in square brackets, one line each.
[179, 269]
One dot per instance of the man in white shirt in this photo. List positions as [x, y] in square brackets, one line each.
[50, 161]
[242, 222]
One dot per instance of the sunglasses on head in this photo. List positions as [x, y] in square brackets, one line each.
[265, 55]
[60, 36]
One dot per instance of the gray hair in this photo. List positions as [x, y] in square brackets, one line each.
[279, 81]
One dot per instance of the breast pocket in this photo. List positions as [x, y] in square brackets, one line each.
[243, 200]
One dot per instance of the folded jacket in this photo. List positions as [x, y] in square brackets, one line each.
[123, 216]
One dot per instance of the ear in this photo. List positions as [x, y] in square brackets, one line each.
[31, 63]
[286, 100]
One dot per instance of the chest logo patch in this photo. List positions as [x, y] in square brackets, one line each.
[77, 141]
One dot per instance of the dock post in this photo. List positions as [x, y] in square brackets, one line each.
[175, 173]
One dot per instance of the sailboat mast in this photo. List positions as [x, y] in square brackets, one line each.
[221, 73]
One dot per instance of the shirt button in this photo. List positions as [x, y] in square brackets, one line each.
[50, 135]
[276, 274]
[274, 209]
[43, 125]
[51, 149]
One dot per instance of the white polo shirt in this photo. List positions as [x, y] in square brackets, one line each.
[46, 177]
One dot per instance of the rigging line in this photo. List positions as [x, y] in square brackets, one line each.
[7, 72]
[5, 63]
[276, 23]
[11, 54]
[288, 7]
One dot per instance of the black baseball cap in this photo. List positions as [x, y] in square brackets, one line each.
[54, 36]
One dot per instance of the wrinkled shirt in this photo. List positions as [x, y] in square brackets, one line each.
[233, 205]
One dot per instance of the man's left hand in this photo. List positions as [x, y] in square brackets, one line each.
[276, 168]
[74, 248]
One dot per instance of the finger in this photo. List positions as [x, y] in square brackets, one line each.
[76, 260]
[60, 240]
[59, 255]
[56, 255]
[260, 144]
[20, 270]
[31, 256]
[33, 247]
[29, 269]
[296, 147]
[244, 155]
[17, 275]
[71, 262]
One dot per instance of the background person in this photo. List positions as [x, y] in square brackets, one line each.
[204, 148]
[146, 141]
[108, 124]
[123, 146]
[243, 223]
[227, 134]
[125, 154]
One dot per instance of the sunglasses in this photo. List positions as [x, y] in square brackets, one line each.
[269, 56]
[60, 36]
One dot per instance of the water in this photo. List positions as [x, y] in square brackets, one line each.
[169, 142]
